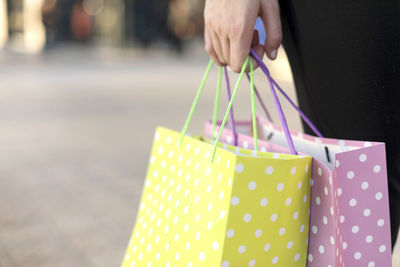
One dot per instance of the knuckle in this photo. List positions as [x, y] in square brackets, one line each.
[219, 29]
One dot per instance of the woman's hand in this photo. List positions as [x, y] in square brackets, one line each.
[229, 32]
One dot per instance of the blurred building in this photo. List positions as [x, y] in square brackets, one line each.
[31, 25]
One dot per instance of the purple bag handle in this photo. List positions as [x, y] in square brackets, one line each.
[277, 103]
[228, 90]
[235, 141]
[273, 82]
[260, 100]
[285, 127]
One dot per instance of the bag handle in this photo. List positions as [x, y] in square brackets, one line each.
[194, 104]
[253, 106]
[231, 103]
[228, 91]
[277, 103]
[303, 116]
[274, 83]
[199, 91]
[216, 105]
[232, 119]
[261, 101]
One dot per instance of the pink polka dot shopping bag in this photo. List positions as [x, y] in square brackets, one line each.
[205, 203]
[349, 213]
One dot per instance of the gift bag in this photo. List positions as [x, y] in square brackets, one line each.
[349, 218]
[209, 205]
[349, 195]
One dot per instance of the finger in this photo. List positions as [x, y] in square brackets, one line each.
[258, 48]
[210, 49]
[240, 48]
[260, 51]
[218, 48]
[226, 50]
[273, 28]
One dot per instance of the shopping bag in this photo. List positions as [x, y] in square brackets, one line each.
[349, 218]
[351, 179]
[240, 209]
[205, 204]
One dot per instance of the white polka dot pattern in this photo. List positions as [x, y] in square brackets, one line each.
[349, 204]
[197, 213]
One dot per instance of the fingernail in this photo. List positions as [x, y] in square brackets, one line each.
[273, 53]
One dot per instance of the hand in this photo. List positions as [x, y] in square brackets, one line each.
[229, 32]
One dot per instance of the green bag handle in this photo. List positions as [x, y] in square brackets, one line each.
[199, 91]
[253, 106]
[194, 104]
[216, 102]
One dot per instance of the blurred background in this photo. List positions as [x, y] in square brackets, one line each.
[83, 84]
[34, 25]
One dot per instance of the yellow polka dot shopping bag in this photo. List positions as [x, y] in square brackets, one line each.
[208, 204]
